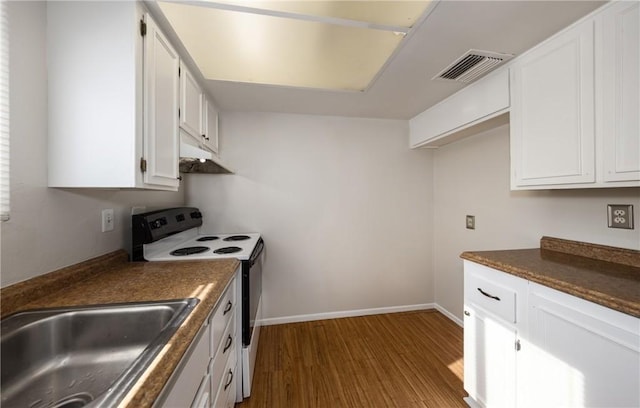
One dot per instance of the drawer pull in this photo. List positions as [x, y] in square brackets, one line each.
[226, 346]
[230, 374]
[488, 295]
[466, 313]
[228, 308]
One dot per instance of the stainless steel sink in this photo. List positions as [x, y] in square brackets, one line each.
[86, 356]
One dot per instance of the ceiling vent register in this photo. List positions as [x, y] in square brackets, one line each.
[472, 65]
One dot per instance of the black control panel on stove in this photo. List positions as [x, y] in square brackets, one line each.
[154, 225]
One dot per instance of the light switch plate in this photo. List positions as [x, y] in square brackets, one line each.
[620, 216]
[107, 220]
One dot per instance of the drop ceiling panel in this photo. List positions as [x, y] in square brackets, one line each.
[253, 48]
[390, 13]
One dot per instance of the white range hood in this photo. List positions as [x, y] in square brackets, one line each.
[194, 159]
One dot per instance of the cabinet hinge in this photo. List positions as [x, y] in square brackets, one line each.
[143, 28]
[518, 347]
[143, 164]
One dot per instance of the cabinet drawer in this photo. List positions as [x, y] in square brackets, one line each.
[223, 314]
[231, 391]
[227, 384]
[491, 296]
[226, 349]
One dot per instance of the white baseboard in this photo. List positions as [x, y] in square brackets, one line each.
[471, 402]
[349, 313]
[360, 312]
[449, 315]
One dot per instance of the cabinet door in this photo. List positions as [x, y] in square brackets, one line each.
[203, 397]
[211, 126]
[489, 359]
[191, 383]
[552, 112]
[618, 75]
[191, 100]
[161, 137]
[579, 353]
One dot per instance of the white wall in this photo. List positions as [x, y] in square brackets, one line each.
[472, 177]
[51, 228]
[342, 203]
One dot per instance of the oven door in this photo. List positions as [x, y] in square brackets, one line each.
[251, 291]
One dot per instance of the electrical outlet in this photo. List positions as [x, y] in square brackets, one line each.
[620, 216]
[471, 222]
[107, 220]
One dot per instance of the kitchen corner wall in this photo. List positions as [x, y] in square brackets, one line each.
[472, 177]
[51, 228]
[343, 205]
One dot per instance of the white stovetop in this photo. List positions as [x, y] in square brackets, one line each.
[161, 250]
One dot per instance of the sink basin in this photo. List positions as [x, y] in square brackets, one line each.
[85, 356]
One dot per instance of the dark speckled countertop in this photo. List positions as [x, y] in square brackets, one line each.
[604, 275]
[112, 279]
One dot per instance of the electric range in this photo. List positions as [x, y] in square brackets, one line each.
[174, 234]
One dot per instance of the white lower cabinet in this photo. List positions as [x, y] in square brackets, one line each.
[206, 376]
[190, 386]
[489, 360]
[579, 353]
[557, 351]
[493, 314]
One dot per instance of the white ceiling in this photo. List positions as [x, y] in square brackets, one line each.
[405, 88]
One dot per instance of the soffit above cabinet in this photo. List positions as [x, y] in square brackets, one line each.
[303, 44]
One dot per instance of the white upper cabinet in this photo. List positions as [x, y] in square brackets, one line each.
[198, 115]
[575, 119]
[161, 139]
[469, 111]
[210, 126]
[99, 79]
[618, 73]
[552, 112]
[191, 104]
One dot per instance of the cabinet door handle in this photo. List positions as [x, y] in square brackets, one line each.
[228, 308]
[466, 313]
[230, 374]
[226, 346]
[488, 295]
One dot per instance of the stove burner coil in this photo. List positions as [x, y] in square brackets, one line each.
[237, 238]
[207, 238]
[227, 250]
[189, 251]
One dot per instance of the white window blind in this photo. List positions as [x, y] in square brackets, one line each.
[4, 112]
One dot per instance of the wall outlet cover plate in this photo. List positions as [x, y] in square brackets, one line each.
[471, 222]
[620, 216]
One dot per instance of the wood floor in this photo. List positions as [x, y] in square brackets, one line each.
[411, 359]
